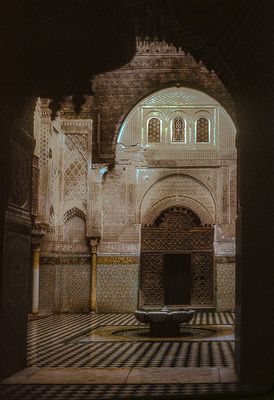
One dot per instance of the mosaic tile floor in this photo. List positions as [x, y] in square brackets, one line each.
[104, 392]
[51, 343]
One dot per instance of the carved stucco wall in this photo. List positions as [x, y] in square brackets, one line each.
[181, 189]
[117, 92]
[152, 197]
[225, 283]
[197, 176]
[113, 202]
[65, 157]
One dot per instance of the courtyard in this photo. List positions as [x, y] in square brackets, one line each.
[101, 356]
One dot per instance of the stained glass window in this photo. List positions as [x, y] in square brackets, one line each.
[178, 130]
[154, 130]
[202, 130]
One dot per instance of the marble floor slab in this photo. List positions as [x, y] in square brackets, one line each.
[173, 375]
[162, 375]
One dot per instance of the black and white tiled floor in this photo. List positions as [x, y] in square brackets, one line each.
[104, 392]
[51, 344]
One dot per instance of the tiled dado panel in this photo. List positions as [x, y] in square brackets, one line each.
[47, 279]
[64, 288]
[75, 291]
[117, 287]
[225, 283]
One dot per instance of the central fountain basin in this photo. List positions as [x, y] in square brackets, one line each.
[164, 322]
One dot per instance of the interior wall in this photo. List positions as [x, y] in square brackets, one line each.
[16, 257]
[63, 151]
[117, 285]
[113, 200]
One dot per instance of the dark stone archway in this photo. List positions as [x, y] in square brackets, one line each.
[240, 34]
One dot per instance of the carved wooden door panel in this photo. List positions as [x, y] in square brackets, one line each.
[202, 279]
[152, 290]
[177, 232]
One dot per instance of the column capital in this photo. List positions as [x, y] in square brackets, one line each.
[38, 229]
[36, 239]
[35, 246]
[93, 232]
[94, 241]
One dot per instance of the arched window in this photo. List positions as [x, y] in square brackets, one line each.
[202, 130]
[154, 130]
[178, 130]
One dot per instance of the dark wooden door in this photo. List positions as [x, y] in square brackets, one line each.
[177, 282]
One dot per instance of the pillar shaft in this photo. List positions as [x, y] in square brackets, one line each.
[93, 273]
[35, 280]
[93, 281]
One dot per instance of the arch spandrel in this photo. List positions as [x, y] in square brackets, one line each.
[180, 190]
[179, 201]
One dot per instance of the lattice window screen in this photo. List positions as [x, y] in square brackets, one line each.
[178, 130]
[202, 130]
[154, 130]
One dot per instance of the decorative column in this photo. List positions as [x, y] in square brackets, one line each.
[38, 231]
[93, 244]
[94, 222]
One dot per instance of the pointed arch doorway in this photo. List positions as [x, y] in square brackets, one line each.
[177, 263]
